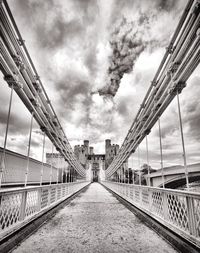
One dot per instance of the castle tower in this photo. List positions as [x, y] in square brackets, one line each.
[91, 150]
[107, 146]
[86, 145]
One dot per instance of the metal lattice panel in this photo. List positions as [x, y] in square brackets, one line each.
[67, 190]
[177, 208]
[52, 195]
[120, 190]
[145, 197]
[197, 215]
[137, 196]
[44, 198]
[157, 203]
[10, 206]
[131, 192]
[127, 191]
[124, 189]
[64, 190]
[31, 203]
[58, 193]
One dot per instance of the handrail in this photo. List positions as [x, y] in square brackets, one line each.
[178, 210]
[19, 206]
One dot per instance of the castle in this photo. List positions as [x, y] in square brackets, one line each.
[95, 163]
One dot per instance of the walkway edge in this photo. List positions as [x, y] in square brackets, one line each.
[12, 240]
[180, 244]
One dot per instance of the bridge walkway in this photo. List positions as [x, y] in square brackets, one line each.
[94, 222]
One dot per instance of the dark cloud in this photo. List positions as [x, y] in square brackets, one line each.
[52, 27]
[123, 108]
[3, 115]
[87, 8]
[91, 60]
[58, 33]
[167, 130]
[17, 124]
[35, 143]
[144, 5]
[194, 127]
[126, 44]
[32, 9]
[70, 87]
[166, 5]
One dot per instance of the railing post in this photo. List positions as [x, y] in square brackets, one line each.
[191, 215]
[23, 206]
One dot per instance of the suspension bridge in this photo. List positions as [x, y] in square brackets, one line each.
[97, 217]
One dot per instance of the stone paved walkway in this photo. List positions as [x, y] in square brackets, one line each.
[94, 222]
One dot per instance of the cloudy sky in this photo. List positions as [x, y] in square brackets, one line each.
[76, 46]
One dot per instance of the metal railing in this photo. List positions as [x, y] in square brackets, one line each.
[21, 205]
[175, 209]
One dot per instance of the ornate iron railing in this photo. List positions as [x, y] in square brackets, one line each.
[175, 209]
[21, 205]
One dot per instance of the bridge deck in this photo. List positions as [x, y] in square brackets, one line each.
[94, 222]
